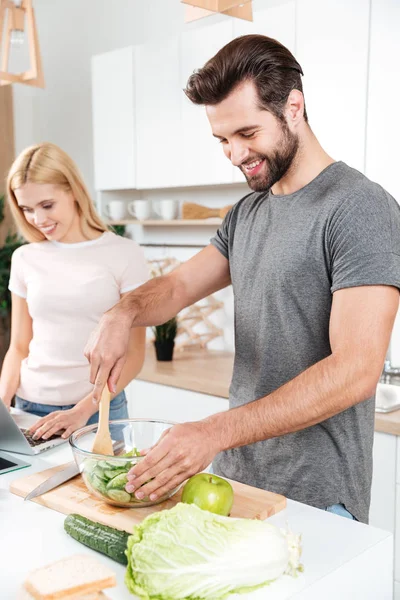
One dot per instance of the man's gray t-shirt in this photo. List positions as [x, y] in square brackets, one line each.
[287, 256]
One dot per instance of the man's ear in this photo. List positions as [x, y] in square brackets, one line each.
[294, 111]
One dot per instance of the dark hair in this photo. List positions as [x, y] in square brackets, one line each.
[272, 67]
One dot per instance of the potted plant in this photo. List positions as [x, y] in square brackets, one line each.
[12, 242]
[165, 339]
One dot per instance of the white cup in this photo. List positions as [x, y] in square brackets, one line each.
[116, 210]
[167, 209]
[140, 209]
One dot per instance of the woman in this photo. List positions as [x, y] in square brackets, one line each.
[62, 282]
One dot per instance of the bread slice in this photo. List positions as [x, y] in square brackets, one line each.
[69, 578]
[24, 595]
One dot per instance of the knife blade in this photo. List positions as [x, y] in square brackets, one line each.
[70, 470]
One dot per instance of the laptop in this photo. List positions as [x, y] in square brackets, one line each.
[14, 434]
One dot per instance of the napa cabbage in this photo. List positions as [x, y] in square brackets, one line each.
[186, 553]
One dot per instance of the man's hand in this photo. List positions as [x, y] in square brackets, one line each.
[60, 420]
[182, 451]
[106, 350]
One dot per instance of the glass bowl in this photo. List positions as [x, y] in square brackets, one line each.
[106, 476]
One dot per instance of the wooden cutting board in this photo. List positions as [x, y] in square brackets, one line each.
[74, 497]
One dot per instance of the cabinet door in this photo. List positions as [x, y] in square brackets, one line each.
[151, 400]
[158, 114]
[277, 22]
[383, 502]
[114, 120]
[383, 126]
[397, 537]
[396, 595]
[202, 159]
[332, 48]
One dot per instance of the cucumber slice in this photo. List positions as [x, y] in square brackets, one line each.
[119, 496]
[89, 464]
[100, 474]
[103, 464]
[114, 464]
[119, 482]
[113, 473]
[98, 484]
[122, 465]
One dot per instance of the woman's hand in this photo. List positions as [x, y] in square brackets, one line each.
[60, 420]
[6, 400]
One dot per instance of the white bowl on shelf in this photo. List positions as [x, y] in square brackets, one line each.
[387, 398]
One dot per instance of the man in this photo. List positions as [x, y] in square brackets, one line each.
[313, 258]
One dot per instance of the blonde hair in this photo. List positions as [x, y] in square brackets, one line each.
[47, 163]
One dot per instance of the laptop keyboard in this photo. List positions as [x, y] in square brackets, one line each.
[33, 442]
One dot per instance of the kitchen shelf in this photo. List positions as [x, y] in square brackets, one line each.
[173, 223]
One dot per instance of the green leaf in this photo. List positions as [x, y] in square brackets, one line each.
[12, 242]
[167, 331]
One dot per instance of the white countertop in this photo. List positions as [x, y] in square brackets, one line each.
[342, 559]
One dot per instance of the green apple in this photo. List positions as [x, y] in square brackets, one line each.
[209, 492]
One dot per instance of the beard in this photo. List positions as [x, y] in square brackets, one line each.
[277, 163]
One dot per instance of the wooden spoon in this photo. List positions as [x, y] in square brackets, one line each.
[102, 441]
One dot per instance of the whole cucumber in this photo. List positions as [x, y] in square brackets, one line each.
[107, 540]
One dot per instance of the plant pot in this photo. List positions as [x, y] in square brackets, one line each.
[164, 350]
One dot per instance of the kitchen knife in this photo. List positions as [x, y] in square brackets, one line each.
[70, 470]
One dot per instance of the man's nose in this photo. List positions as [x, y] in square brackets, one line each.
[238, 153]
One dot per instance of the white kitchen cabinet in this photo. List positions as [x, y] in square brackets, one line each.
[152, 400]
[113, 105]
[385, 495]
[383, 127]
[202, 159]
[398, 461]
[332, 48]
[278, 22]
[396, 591]
[158, 114]
[397, 537]
[383, 492]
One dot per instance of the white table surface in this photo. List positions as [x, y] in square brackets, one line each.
[342, 559]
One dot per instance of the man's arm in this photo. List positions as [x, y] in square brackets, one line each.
[153, 303]
[360, 327]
